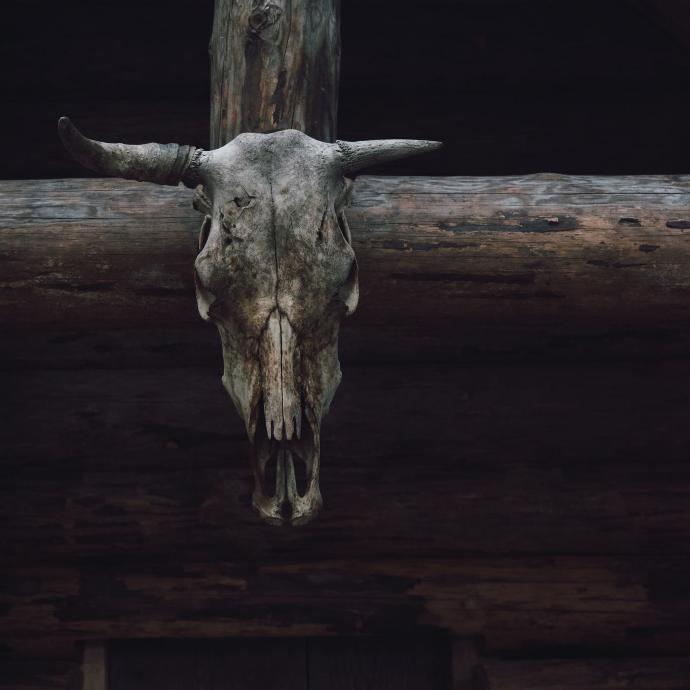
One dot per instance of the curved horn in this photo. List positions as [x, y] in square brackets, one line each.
[160, 163]
[361, 154]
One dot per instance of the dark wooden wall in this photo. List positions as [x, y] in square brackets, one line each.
[535, 499]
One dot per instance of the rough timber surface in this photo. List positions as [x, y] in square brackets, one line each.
[517, 605]
[452, 265]
[534, 507]
[432, 461]
[274, 65]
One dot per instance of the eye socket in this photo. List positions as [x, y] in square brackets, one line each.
[242, 201]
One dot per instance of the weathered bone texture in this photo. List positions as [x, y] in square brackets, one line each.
[276, 273]
[159, 163]
[274, 65]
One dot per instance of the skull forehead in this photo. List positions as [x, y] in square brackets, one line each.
[275, 240]
[280, 161]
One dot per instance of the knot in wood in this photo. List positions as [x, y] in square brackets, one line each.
[264, 16]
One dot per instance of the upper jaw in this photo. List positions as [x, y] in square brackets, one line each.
[283, 493]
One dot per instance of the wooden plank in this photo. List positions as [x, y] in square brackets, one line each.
[274, 66]
[426, 461]
[584, 674]
[616, 606]
[207, 664]
[94, 666]
[390, 663]
[450, 265]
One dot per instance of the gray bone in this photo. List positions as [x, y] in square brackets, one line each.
[276, 274]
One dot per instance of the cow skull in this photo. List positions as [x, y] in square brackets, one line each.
[275, 273]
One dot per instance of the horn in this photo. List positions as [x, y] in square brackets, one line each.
[160, 163]
[361, 154]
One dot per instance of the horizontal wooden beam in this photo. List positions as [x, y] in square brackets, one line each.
[422, 461]
[450, 265]
[613, 605]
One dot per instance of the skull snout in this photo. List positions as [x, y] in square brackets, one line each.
[286, 457]
[279, 355]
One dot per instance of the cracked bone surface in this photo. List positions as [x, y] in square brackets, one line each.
[276, 274]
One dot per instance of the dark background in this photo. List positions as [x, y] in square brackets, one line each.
[510, 86]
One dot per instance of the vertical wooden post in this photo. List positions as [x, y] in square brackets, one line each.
[94, 666]
[274, 65]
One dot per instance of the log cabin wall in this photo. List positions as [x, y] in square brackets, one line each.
[501, 464]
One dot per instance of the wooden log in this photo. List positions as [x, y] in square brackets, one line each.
[274, 65]
[426, 461]
[546, 604]
[450, 265]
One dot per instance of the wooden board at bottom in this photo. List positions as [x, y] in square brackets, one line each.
[366, 663]
[237, 664]
[378, 663]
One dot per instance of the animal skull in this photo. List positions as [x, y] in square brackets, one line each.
[275, 273]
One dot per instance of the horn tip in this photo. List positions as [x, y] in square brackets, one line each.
[66, 129]
[64, 123]
[426, 144]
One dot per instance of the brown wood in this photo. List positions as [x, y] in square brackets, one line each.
[430, 461]
[617, 605]
[274, 65]
[453, 495]
[575, 674]
[451, 265]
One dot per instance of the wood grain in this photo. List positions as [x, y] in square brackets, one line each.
[431, 461]
[451, 265]
[274, 65]
[534, 606]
